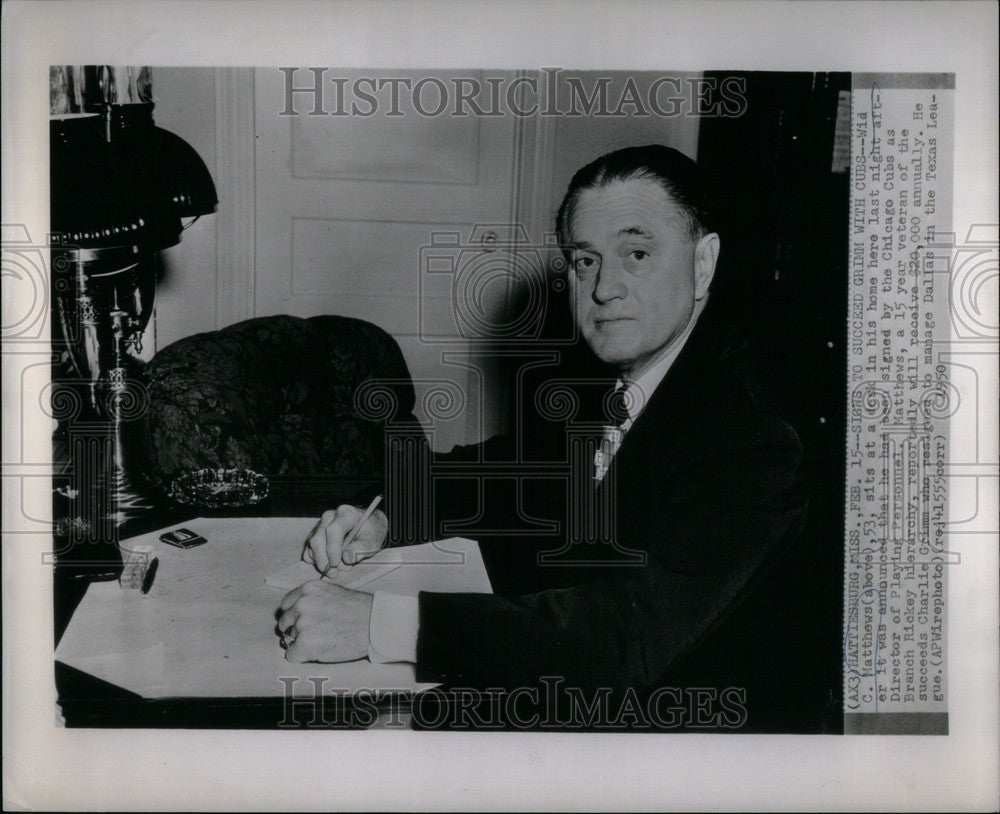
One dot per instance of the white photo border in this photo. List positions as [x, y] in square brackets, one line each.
[47, 767]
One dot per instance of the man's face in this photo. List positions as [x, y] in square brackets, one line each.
[635, 271]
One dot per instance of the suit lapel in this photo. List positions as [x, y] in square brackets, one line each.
[655, 432]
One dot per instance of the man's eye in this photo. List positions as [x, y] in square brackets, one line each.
[583, 264]
[639, 254]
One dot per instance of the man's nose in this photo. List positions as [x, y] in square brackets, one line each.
[610, 283]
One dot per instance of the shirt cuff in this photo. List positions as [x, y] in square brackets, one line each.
[393, 628]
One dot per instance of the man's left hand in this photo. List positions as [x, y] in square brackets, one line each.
[324, 622]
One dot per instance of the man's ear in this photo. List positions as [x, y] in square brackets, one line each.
[706, 254]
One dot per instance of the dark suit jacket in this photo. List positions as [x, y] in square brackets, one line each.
[706, 487]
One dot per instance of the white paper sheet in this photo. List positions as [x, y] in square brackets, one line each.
[207, 628]
[353, 577]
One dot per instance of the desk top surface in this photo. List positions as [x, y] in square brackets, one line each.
[207, 626]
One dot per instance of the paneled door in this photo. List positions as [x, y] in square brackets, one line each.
[352, 211]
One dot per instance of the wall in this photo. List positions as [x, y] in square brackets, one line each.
[197, 292]
[185, 297]
[580, 139]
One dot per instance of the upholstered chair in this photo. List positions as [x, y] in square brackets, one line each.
[280, 395]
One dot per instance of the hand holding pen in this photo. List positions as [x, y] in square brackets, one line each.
[346, 536]
[342, 536]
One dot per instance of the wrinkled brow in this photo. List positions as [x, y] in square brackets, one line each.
[638, 231]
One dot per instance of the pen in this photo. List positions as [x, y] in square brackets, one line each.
[147, 583]
[286, 638]
[356, 530]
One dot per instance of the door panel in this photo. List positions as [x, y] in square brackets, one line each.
[348, 205]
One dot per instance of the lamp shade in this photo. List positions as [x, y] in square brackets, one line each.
[118, 180]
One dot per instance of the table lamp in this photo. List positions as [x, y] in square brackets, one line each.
[120, 191]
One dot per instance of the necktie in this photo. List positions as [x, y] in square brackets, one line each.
[616, 411]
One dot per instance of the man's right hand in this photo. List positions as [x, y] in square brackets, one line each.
[325, 546]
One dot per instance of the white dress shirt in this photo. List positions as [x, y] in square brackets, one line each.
[395, 620]
[393, 628]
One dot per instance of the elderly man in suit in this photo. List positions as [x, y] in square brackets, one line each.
[705, 474]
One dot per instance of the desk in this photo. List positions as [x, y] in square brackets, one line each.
[200, 650]
[300, 496]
